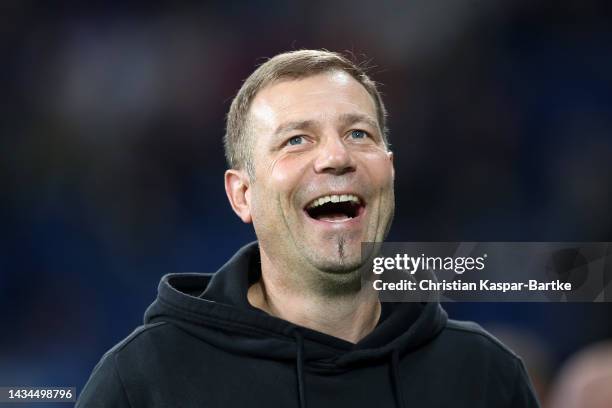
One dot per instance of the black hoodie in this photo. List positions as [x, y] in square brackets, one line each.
[203, 345]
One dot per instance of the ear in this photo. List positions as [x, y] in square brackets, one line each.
[237, 186]
[390, 156]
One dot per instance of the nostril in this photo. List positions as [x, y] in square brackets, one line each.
[335, 168]
[335, 158]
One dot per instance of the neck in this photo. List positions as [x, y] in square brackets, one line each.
[349, 317]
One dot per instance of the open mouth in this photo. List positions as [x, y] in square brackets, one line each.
[335, 207]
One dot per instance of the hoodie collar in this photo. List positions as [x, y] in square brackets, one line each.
[231, 283]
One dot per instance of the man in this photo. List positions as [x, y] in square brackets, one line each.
[286, 322]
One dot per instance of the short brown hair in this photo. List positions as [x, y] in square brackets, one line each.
[292, 65]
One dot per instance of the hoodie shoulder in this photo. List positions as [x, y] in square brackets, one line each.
[135, 336]
[471, 350]
[473, 332]
[106, 386]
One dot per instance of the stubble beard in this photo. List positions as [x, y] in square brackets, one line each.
[341, 249]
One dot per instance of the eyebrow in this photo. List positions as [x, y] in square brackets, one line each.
[294, 125]
[346, 119]
[350, 118]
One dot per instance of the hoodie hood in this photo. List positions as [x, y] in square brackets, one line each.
[214, 307]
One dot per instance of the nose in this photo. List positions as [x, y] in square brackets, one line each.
[334, 157]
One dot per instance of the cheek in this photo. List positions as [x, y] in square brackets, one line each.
[379, 168]
[286, 172]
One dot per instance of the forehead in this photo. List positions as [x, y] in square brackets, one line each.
[319, 97]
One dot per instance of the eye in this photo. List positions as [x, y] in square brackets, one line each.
[295, 140]
[358, 134]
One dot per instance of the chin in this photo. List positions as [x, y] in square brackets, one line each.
[338, 265]
[336, 255]
[339, 279]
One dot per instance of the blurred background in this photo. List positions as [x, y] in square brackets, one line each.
[111, 160]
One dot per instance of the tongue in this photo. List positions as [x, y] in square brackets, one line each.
[333, 217]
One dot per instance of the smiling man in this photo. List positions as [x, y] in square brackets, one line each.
[286, 322]
[321, 177]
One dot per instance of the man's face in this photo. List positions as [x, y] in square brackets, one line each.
[323, 175]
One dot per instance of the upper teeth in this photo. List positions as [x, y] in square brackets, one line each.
[334, 198]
